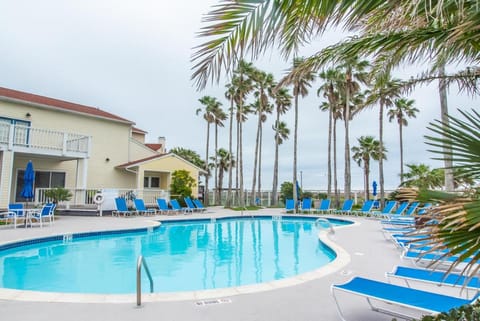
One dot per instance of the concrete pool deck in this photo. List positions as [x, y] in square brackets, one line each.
[362, 250]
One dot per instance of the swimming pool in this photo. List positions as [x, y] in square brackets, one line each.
[182, 256]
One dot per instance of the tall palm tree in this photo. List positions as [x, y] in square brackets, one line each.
[355, 74]
[368, 148]
[219, 116]
[300, 85]
[283, 101]
[403, 109]
[243, 86]
[263, 83]
[331, 78]
[209, 104]
[383, 92]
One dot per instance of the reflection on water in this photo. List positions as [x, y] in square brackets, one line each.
[181, 256]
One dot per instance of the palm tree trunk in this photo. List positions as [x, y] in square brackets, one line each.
[206, 164]
[347, 183]
[400, 128]
[367, 180]
[275, 164]
[260, 162]
[335, 178]
[237, 179]
[240, 159]
[255, 160]
[449, 186]
[295, 196]
[329, 162]
[230, 139]
[217, 194]
[380, 160]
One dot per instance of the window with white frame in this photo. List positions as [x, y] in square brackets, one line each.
[151, 182]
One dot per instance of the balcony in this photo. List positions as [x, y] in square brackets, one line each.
[40, 141]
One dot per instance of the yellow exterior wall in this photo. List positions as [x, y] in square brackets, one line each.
[111, 145]
[167, 165]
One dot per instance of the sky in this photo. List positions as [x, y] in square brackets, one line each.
[132, 58]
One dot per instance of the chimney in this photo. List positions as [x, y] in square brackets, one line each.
[161, 140]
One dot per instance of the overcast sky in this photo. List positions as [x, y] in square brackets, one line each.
[132, 58]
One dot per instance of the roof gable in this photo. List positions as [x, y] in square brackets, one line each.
[155, 157]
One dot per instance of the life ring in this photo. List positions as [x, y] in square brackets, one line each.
[98, 198]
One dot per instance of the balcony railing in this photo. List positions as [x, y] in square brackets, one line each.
[43, 141]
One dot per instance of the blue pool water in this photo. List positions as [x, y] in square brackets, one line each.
[182, 256]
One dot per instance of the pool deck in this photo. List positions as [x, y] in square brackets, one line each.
[362, 250]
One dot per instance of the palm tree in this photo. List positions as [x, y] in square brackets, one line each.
[331, 77]
[263, 83]
[189, 155]
[383, 92]
[300, 88]
[209, 104]
[422, 176]
[224, 161]
[355, 74]
[219, 116]
[403, 109]
[368, 148]
[283, 101]
[243, 86]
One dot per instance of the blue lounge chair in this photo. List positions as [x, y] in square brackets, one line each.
[411, 209]
[289, 205]
[199, 205]
[141, 208]
[366, 208]
[433, 277]
[306, 205]
[176, 206]
[400, 210]
[346, 207]
[423, 301]
[45, 213]
[163, 207]
[191, 206]
[121, 207]
[424, 209]
[324, 206]
[389, 206]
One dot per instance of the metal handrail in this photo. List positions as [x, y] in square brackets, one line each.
[141, 261]
[321, 219]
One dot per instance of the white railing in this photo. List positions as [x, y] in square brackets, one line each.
[85, 197]
[61, 143]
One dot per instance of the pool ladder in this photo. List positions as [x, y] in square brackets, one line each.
[141, 261]
[321, 219]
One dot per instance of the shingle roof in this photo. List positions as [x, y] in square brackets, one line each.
[11, 94]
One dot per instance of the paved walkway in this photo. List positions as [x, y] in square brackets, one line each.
[364, 252]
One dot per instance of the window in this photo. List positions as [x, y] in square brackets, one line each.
[151, 182]
[42, 180]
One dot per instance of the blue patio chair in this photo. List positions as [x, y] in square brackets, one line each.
[45, 213]
[163, 206]
[411, 209]
[141, 208]
[307, 205]
[346, 207]
[324, 206]
[389, 206]
[176, 206]
[419, 300]
[400, 209]
[17, 212]
[408, 274]
[198, 203]
[121, 207]
[191, 206]
[366, 208]
[289, 205]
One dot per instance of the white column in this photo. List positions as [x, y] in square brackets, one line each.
[6, 177]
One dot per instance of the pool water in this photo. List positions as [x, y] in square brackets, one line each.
[182, 256]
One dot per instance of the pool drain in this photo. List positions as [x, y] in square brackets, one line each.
[211, 302]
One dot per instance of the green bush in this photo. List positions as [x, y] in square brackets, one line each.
[286, 191]
[182, 184]
[58, 194]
